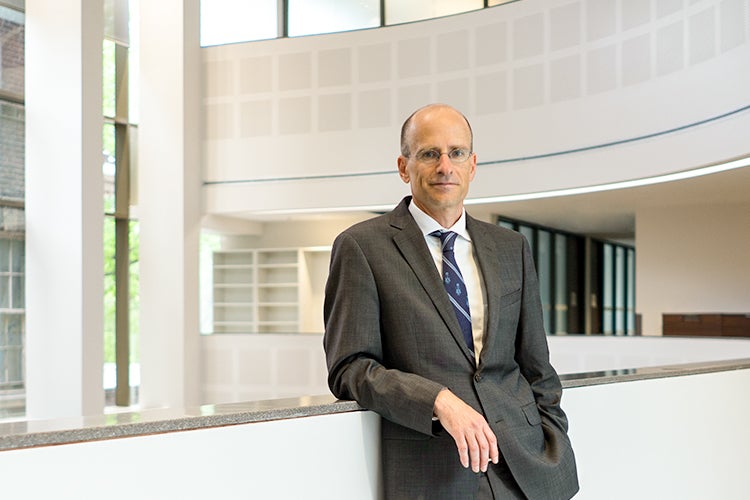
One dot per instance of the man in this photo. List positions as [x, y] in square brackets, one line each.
[470, 403]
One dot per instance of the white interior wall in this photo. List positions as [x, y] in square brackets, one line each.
[535, 77]
[64, 206]
[169, 203]
[243, 367]
[294, 233]
[284, 459]
[692, 259]
[682, 437]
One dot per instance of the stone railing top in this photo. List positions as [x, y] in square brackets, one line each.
[34, 433]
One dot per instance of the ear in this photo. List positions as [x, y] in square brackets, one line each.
[473, 166]
[402, 170]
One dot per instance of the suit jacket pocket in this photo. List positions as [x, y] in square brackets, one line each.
[510, 298]
[532, 414]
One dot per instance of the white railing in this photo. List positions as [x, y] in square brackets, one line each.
[682, 437]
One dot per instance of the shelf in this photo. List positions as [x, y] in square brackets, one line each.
[265, 290]
[256, 289]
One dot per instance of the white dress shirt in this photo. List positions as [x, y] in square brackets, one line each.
[464, 252]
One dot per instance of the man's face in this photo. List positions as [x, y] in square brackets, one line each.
[438, 188]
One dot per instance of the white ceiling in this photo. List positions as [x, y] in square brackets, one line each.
[606, 214]
[612, 213]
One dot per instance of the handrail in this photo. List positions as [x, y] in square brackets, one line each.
[30, 434]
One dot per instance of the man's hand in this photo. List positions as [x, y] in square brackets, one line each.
[476, 443]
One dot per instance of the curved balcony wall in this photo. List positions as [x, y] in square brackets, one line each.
[560, 94]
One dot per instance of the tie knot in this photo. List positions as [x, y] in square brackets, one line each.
[447, 239]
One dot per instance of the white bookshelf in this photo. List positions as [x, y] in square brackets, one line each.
[268, 290]
[233, 292]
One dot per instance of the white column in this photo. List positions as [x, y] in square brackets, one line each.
[64, 208]
[169, 205]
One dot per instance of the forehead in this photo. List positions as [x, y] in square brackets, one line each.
[440, 126]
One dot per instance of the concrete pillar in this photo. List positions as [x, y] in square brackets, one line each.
[169, 205]
[64, 208]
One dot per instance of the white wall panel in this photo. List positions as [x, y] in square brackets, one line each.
[680, 437]
[534, 77]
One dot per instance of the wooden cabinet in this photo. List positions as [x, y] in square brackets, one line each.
[268, 290]
[706, 325]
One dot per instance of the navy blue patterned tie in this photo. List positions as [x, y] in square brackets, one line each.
[455, 286]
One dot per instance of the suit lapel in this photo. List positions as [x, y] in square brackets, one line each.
[497, 278]
[412, 246]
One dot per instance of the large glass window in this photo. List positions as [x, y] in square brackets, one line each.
[310, 17]
[630, 316]
[11, 160]
[544, 271]
[11, 313]
[398, 11]
[563, 303]
[11, 52]
[608, 285]
[12, 215]
[231, 21]
[615, 279]
[558, 258]
[585, 285]
[620, 291]
[121, 369]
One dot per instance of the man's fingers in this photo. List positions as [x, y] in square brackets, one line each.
[475, 441]
[484, 454]
[475, 452]
[494, 452]
[463, 453]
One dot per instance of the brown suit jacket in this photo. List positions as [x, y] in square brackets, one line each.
[392, 343]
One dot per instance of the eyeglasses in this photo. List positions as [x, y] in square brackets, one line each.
[432, 156]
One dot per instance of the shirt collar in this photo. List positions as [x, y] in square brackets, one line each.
[427, 224]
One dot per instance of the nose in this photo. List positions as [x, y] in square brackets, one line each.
[444, 164]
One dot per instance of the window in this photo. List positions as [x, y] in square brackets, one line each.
[608, 286]
[562, 302]
[559, 258]
[233, 21]
[310, 17]
[397, 11]
[615, 279]
[12, 215]
[586, 285]
[546, 278]
[11, 313]
[120, 242]
[12, 47]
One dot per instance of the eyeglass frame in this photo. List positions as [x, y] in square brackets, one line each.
[419, 156]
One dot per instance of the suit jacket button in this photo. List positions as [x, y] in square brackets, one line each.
[477, 377]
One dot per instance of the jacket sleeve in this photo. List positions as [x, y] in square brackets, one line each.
[532, 351]
[354, 345]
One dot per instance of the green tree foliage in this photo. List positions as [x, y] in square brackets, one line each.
[109, 290]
